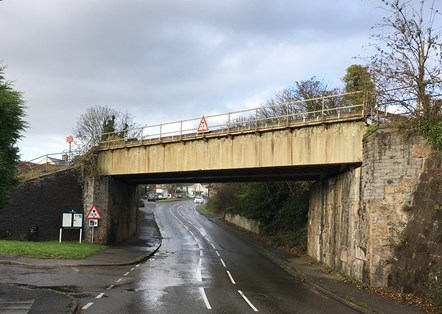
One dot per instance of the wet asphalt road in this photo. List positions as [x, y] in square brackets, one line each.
[203, 268]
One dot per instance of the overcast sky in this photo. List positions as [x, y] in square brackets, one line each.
[171, 59]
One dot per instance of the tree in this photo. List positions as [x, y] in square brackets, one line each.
[302, 97]
[359, 86]
[98, 120]
[407, 65]
[11, 126]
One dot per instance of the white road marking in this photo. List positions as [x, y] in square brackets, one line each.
[133, 268]
[213, 246]
[206, 301]
[119, 279]
[201, 253]
[99, 296]
[198, 274]
[222, 262]
[217, 253]
[125, 274]
[231, 278]
[110, 287]
[200, 262]
[87, 306]
[248, 302]
[138, 265]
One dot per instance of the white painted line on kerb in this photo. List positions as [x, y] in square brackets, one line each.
[248, 302]
[87, 306]
[125, 274]
[110, 287]
[231, 278]
[206, 301]
[222, 262]
[99, 296]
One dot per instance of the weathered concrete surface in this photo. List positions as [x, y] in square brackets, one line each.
[245, 223]
[357, 220]
[322, 144]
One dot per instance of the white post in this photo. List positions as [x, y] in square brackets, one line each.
[92, 235]
[81, 233]
[59, 237]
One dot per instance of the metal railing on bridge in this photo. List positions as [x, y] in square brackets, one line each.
[290, 114]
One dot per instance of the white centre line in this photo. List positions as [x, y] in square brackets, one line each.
[201, 252]
[206, 301]
[126, 274]
[213, 246]
[217, 253]
[110, 287]
[248, 302]
[119, 279]
[87, 306]
[200, 262]
[231, 278]
[138, 265]
[99, 296]
[222, 262]
[133, 268]
[198, 274]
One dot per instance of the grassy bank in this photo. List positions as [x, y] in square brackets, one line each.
[46, 250]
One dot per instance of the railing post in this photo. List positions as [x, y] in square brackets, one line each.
[287, 114]
[181, 129]
[161, 131]
[228, 123]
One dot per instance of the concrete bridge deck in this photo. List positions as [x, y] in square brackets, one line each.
[280, 149]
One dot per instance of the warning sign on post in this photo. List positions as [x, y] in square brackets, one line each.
[203, 127]
[93, 213]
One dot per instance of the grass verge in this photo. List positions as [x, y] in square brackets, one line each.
[49, 250]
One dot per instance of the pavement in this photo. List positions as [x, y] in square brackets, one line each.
[15, 299]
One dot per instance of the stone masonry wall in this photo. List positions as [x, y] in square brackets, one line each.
[392, 165]
[334, 226]
[117, 203]
[357, 219]
[41, 202]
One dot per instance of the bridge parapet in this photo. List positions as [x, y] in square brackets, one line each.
[329, 109]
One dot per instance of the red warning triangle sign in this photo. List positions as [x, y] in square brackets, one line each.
[203, 126]
[93, 213]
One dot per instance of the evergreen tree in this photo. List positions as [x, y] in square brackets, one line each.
[11, 125]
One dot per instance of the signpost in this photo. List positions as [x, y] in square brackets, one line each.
[93, 216]
[71, 220]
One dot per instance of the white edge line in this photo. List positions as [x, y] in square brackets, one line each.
[248, 302]
[206, 301]
[87, 306]
[231, 278]
[222, 262]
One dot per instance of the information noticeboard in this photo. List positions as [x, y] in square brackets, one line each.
[72, 219]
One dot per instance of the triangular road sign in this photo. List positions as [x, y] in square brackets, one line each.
[203, 126]
[93, 213]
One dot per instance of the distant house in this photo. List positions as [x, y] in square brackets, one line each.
[53, 161]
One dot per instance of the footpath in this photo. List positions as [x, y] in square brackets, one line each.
[14, 299]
